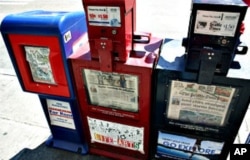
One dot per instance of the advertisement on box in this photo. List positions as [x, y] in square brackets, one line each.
[116, 134]
[38, 58]
[112, 90]
[104, 16]
[216, 23]
[199, 104]
[184, 147]
[60, 114]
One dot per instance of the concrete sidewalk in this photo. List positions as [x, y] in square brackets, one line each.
[23, 127]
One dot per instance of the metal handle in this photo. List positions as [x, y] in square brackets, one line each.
[141, 37]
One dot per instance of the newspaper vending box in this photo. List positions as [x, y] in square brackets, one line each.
[247, 2]
[65, 124]
[215, 27]
[113, 80]
[193, 120]
[201, 94]
[116, 105]
[114, 21]
[39, 43]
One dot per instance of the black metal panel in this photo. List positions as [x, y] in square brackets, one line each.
[216, 25]
[171, 68]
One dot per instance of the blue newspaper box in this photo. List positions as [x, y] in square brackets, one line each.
[39, 44]
[65, 124]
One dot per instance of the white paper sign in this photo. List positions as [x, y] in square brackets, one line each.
[104, 16]
[116, 134]
[216, 23]
[60, 114]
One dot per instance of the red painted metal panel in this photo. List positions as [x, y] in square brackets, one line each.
[112, 20]
[137, 71]
[58, 82]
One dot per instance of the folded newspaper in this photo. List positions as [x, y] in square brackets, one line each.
[197, 103]
[38, 58]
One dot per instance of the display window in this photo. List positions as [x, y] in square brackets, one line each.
[112, 90]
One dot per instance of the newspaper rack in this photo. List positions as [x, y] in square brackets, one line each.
[182, 106]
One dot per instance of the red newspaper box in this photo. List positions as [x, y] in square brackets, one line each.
[247, 2]
[116, 105]
[111, 20]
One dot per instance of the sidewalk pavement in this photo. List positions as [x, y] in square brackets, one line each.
[24, 128]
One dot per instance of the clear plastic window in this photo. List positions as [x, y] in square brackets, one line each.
[38, 58]
[112, 90]
[199, 104]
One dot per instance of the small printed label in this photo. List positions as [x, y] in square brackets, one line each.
[67, 37]
[216, 23]
[60, 114]
[104, 16]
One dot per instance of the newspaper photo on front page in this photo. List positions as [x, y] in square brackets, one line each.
[113, 90]
[38, 59]
[197, 103]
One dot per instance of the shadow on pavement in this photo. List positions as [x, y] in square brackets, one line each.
[49, 153]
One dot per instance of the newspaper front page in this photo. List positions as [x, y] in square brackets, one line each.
[196, 103]
[38, 58]
[113, 90]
